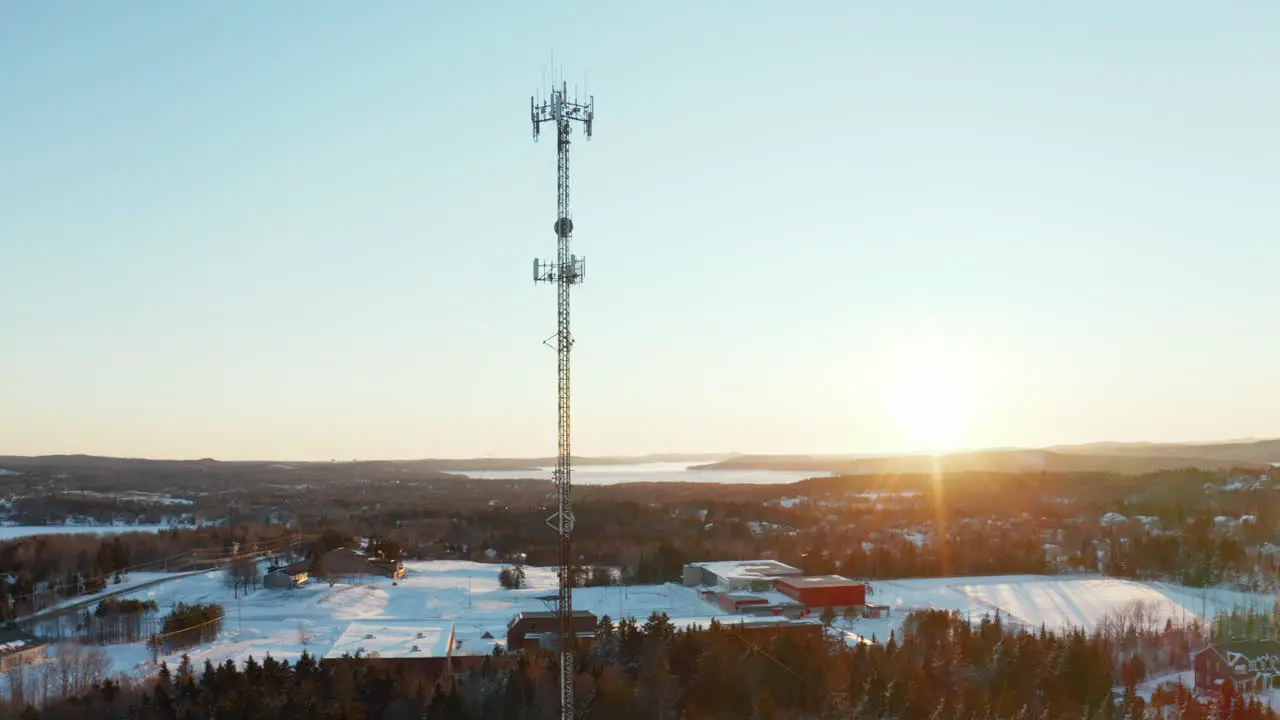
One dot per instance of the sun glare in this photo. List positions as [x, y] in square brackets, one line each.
[934, 410]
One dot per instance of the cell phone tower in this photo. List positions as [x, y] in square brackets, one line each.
[565, 271]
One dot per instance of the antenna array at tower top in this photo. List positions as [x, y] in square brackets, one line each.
[559, 107]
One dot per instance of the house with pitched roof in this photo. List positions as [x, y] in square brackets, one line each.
[1249, 665]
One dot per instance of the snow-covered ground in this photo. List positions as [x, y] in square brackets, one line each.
[437, 594]
[1145, 689]
[1056, 602]
[433, 595]
[131, 496]
[12, 532]
[649, 472]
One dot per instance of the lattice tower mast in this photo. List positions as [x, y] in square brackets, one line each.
[565, 271]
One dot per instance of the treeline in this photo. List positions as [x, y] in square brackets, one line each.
[978, 491]
[512, 577]
[895, 558]
[976, 553]
[41, 570]
[1195, 555]
[941, 667]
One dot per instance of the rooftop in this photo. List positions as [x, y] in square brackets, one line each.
[820, 581]
[394, 640]
[472, 640]
[13, 640]
[740, 597]
[548, 614]
[702, 623]
[748, 569]
[1252, 648]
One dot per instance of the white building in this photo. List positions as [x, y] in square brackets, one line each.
[394, 640]
[753, 575]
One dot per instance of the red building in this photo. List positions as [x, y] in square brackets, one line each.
[824, 591]
[734, 602]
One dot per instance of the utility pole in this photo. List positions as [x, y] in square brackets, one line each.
[565, 271]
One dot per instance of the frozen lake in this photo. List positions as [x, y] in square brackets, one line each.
[648, 472]
[10, 532]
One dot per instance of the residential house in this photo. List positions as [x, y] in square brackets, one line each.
[1249, 665]
[351, 563]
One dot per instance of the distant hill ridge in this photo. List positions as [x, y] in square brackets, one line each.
[1120, 457]
[436, 464]
[1132, 458]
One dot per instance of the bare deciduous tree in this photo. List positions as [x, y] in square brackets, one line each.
[241, 573]
[73, 670]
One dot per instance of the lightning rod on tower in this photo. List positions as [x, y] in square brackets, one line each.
[565, 271]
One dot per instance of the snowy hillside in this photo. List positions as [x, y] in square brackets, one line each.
[1056, 601]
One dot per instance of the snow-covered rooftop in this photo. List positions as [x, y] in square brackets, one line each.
[472, 641]
[398, 640]
[821, 581]
[748, 569]
[16, 645]
[1114, 518]
[702, 623]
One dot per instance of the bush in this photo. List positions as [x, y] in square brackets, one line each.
[511, 578]
[190, 625]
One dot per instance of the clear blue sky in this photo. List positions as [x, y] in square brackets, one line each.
[304, 229]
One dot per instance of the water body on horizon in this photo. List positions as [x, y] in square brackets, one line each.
[584, 474]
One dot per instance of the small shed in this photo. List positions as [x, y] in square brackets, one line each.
[18, 647]
[533, 630]
[285, 578]
[877, 611]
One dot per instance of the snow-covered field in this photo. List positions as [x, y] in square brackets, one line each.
[648, 472]
[433, 595]
[320, 619]
[1056, 602]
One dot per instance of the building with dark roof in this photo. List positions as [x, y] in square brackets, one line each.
[349, 563]
[532, 630]
[285, 578]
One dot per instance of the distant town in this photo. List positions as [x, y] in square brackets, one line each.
[1163, 582]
